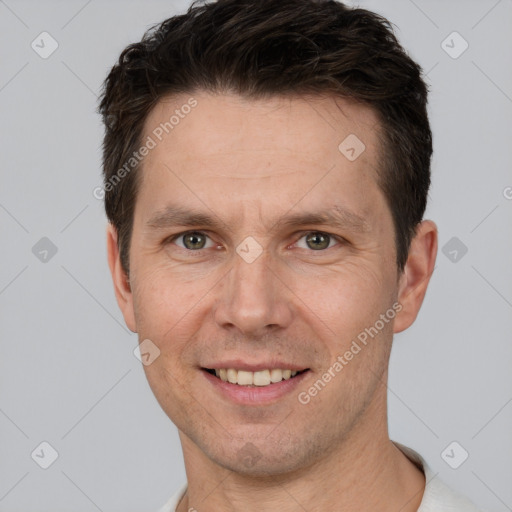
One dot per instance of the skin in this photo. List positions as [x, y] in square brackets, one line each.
[247, 163]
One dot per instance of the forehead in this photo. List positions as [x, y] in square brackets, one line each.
[268, 154]
[309, 128]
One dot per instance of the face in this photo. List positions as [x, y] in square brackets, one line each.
[259, 246]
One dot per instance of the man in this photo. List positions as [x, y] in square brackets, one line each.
[266, 168]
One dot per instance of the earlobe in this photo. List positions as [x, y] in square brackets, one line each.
[120, 280]
[414, 280]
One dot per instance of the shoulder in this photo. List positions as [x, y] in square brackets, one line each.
[172, 502]
[438, 497]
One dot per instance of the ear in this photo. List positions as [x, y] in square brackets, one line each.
[416, 275]
[121, 282]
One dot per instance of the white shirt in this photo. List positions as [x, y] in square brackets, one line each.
[438, 497]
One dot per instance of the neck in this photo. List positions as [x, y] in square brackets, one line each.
[365, 472]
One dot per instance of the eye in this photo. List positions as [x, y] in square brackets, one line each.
[316, 240]
[193, 240]
[197, 240]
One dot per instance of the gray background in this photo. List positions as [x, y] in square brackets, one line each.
[68, 375]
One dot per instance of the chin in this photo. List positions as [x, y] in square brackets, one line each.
[260, 458]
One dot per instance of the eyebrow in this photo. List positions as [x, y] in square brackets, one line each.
[338, 217]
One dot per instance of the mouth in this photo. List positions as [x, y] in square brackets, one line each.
[258, 379]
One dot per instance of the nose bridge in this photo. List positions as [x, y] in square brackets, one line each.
[253, 298]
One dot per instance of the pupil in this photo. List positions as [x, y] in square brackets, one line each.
[194, 241]
[319, 241]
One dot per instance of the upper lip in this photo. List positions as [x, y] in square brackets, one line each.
[237, 364]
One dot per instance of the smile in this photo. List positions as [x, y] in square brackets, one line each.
[254, 379]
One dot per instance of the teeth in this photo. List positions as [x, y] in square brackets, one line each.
[261, 378]
[232, 376]
[276, 375]
[245, 378]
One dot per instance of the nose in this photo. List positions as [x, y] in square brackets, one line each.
[254, 300]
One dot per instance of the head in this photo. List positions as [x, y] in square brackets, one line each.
[266, 171]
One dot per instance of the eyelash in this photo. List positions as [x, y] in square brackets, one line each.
[302, 235]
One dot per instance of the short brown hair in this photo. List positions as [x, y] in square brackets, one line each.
[273, 47]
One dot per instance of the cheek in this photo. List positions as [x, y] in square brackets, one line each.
[166, 304]
[350, 296]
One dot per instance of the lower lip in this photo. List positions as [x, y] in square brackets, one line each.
[255, 395]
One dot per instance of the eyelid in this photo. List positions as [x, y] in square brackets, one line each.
[173, 238]
[299, 235]
[302, 234]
